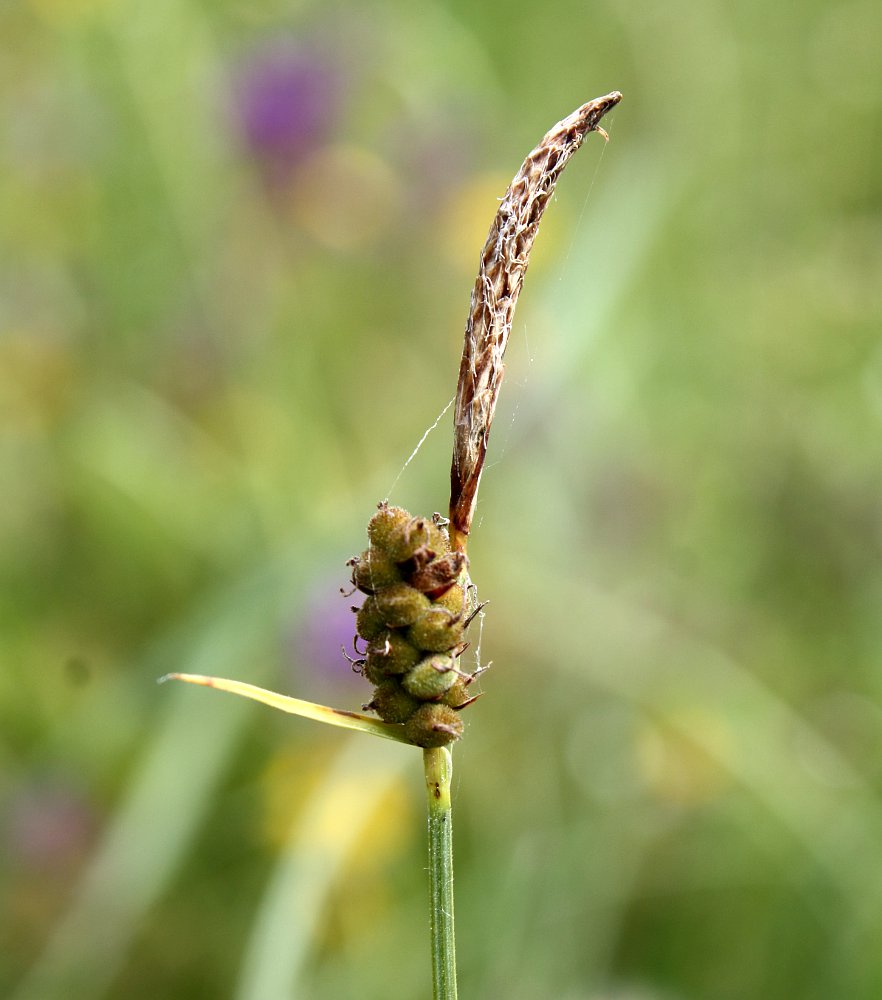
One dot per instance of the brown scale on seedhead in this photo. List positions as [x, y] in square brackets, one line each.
[437, 576]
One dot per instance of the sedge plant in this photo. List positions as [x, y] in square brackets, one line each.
[419, 597]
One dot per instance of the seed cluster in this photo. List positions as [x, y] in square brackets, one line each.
[413, 620]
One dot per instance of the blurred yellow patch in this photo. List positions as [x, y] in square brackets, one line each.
[366, 893]
[467, 217]
[679, 759]
[57, 11]
[344, 196]
[286, 784]
[37, 379]
[469, 214]
[292, 780]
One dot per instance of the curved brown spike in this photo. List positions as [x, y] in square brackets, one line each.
[501, 272]
[474, 614]
[471, 701]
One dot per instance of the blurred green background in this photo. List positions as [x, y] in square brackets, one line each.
[238, 241]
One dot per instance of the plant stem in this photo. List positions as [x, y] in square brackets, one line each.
[438, 765]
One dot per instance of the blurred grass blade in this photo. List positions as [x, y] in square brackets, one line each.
[294, 706]
[329, 829]
[163, 806]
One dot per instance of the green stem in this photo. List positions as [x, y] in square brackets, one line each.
[439, 767]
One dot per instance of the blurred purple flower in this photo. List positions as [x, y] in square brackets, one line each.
[316, 641]
[286, 104]
[49, 825]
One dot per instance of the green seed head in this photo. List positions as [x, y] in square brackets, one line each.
[374, 570]
[433, 725]
[431, 677]
[437, 631]
[392, 703]
[457, 694]
[438, 541]
[368, 621]
[373, 673]
[406, 539]
[390, 654]
[412, 622]
[401, 605]
[453, 600]
[384, 522]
